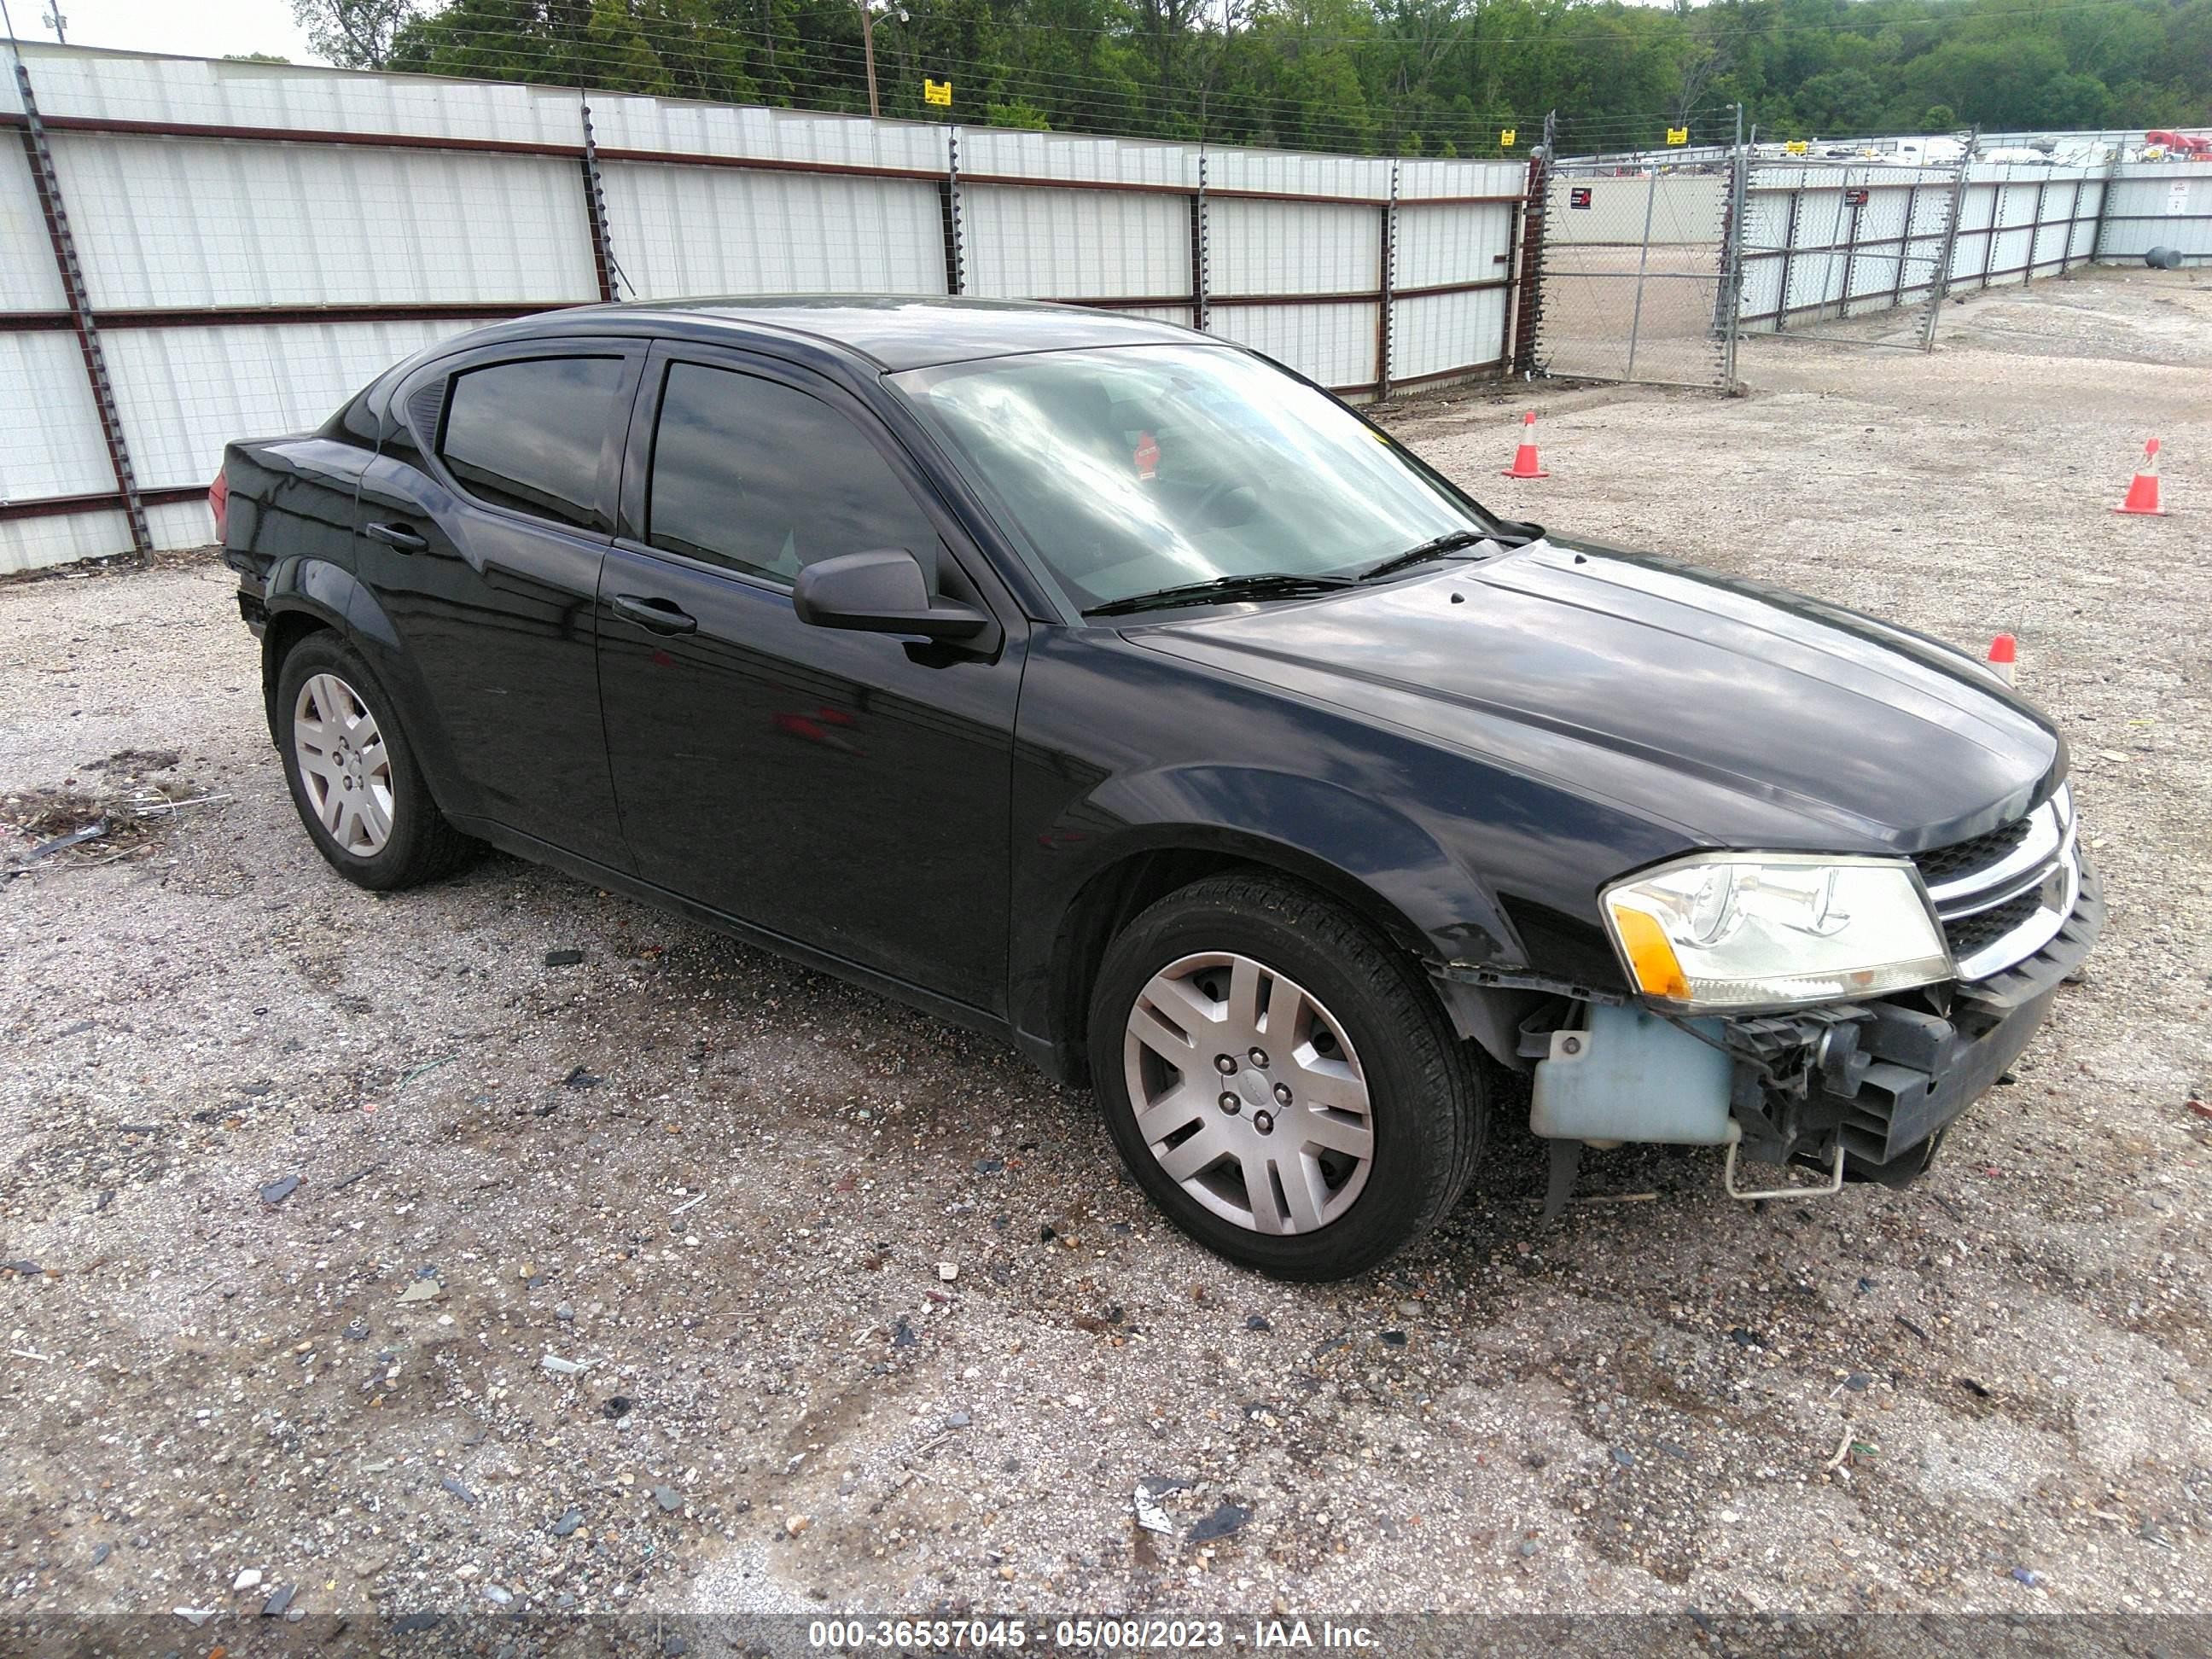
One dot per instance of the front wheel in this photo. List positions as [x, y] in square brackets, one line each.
[1279, 1079]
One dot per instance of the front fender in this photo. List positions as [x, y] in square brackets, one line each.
[1069, 875]
[1368, 852]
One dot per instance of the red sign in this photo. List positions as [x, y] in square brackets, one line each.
[1148, 455]
[1856, 198]
[1579, 198]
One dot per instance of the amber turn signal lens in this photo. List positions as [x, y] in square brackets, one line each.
[1650, 956]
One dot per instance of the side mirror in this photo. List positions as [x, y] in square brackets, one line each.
[880, 592]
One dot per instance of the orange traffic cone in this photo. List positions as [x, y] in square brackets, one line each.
[2004, 651]
[2142, 494]
[1524, 458]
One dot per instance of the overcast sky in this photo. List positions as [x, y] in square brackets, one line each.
[192, 28]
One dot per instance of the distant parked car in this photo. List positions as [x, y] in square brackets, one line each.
[1108, 687]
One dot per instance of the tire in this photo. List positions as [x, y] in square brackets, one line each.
[352, 774]
[1262, 1163]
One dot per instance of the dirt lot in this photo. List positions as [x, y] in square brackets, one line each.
[725, 1186]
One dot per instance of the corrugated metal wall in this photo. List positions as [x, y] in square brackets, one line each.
[2159, 205]
[1811, 250]
[259, 239]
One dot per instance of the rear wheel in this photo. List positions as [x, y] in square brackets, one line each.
[1280, 1080]
[353, 776]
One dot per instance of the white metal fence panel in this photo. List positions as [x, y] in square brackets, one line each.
[1420, 180]
[1430, 334]
[1438, 245]
[170, 223]
[74, 84]
[630, 127]
[993, 152]
[2159, 205]
[1278, 172]
[1026, 242]
[691, 230]
[28, 280]
[1295, 247]
[50, 442]
[1334, 344]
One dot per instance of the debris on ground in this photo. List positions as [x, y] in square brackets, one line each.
[1226, 1519]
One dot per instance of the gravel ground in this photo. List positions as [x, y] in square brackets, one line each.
[845, 1309]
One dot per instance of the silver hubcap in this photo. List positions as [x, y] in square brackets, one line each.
[344, 764]
[1249, 1094]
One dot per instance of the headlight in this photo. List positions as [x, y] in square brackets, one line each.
[1752, 930]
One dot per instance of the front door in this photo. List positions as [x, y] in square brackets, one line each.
[847, 790]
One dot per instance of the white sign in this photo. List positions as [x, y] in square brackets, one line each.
[2177, 197]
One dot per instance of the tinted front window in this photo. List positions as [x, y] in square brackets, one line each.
[1144, 467]
[529, 435]
[759, 477]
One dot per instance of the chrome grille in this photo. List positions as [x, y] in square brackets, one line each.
[1964, 857]
[2003, 896]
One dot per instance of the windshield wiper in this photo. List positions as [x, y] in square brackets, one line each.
[1450, 542]
[1269, 584]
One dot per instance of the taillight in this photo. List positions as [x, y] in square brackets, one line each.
[219, 503]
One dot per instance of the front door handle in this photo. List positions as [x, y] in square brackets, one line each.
[660, 615]
[398, 536]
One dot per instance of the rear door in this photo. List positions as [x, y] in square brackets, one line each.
[847, 790]
[486, 517]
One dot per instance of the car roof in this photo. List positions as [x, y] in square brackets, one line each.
[891, 331]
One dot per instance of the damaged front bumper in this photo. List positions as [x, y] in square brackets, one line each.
[1862, 1090]
[1883, 1080]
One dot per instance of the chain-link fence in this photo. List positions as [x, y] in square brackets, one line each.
[1635, 273]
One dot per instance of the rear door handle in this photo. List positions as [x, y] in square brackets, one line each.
[398, 536]
[660, 615]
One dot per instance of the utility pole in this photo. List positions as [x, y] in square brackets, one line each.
[868, 50]
[868, 10]
[57, 21]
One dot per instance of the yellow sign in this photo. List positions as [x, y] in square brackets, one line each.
[936, 92]
[1796, 147]
[1505, 139]
[1678, 135]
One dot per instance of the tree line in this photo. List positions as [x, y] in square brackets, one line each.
[1409, 77]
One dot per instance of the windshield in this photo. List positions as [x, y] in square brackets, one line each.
[1139, 468]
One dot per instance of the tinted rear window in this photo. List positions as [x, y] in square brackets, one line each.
[529, 435]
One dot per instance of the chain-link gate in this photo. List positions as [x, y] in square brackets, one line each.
[1825, 243]
[1634, 273]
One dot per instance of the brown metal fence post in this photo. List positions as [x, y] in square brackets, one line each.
[1996, 224]
[1904, 244]
[2104, 201]
[1530, 311]
[1788, 250]
[948, 205]
[1388, 274]
[595, 204]
[1851, 248]
[2035, 231]
[1201, 313]
[49, 188]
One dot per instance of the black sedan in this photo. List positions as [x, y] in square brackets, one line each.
[1108, 688]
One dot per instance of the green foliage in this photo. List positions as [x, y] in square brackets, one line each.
[1395, 77]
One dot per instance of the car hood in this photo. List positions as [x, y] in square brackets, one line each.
[1743, 716]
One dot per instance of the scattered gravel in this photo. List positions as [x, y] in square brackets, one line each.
[733, 1194]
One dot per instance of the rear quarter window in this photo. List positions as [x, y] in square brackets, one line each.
[528, 435]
